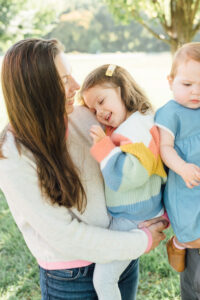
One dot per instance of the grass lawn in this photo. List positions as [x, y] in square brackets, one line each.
[18, 270]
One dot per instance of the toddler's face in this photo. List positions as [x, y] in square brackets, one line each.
[186, 84]
[106, 104]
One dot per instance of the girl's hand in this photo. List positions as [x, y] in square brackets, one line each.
[157, 234]
[97, 133]
[190, 174]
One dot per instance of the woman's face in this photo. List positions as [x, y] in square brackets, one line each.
[70, 84]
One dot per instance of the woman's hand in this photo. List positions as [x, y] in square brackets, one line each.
[157, 234]
[154, 221]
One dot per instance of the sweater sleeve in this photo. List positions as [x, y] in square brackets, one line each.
[57, 227]
[127, 166]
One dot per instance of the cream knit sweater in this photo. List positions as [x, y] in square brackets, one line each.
[56, 234]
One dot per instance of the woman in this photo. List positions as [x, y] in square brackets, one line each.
[54, 192]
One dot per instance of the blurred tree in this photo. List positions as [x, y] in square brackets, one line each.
[93, 29]
[22, 18]
[179, 19]
[8, 10]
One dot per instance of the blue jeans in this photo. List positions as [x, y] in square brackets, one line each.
[76, 284]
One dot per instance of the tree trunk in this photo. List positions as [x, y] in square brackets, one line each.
[181, 29]
[173, 46]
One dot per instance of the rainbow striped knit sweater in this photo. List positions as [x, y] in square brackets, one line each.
[132, 168]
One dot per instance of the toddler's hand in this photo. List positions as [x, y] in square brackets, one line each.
[97, 133]
[190, 174]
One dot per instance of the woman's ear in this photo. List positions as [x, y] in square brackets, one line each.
[170, 81]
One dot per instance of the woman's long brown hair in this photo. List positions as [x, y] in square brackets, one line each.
[35, 102]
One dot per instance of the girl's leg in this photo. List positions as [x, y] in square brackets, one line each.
[106, 279]
[70, 284]
[128, 282]
[190, 278]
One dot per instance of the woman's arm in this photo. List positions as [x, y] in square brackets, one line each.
[189, 172]
[37, 218]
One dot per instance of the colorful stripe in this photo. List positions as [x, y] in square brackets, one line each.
[138, 211]
[132, 168]
[152, 164]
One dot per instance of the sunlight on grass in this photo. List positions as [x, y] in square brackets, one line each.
[157, 279]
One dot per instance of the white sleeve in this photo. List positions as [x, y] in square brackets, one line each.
[57, 227]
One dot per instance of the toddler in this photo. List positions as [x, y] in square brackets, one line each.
[179, 126]
[129, 158]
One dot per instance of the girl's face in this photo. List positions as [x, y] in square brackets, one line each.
[71, 86]
[186, 84]
[106, 104]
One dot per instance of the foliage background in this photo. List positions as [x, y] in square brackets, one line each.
[82, 26]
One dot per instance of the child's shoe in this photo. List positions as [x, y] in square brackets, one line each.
[176, 256]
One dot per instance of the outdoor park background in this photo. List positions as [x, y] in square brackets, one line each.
[91, 37]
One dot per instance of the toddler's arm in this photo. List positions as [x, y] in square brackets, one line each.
[189, 172]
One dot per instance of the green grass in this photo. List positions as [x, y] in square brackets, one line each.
[19, 276]
[157, 279]
[18, 269]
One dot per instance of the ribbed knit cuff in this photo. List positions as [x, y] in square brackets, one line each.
[101, 149]
[148, 232]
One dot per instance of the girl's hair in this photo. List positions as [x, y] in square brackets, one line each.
[183, 54]
[35, 101]
[132, 95]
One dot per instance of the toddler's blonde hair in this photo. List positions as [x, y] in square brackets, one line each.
[183, 54]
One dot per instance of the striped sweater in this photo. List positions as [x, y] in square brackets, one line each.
[132, 168]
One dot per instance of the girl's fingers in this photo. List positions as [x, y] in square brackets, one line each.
[197, 175]
[95, 127]
[189, 185]
[97, 130]
[93, 130]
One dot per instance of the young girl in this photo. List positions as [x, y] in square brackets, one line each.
[129, 158]
[179, 126]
